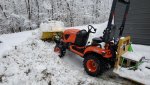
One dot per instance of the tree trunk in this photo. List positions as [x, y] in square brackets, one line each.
[52, 4]
[37, 4]
[3, 11]
[70, 14]
[28, 6]
[14, 5]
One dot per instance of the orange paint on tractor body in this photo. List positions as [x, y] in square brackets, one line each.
[71, 35]
[75, 51]
[98, 50]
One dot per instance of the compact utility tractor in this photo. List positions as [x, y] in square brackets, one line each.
[97, 59]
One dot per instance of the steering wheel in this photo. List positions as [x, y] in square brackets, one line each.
[90, 27]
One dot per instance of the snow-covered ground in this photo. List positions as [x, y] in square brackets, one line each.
[26, 60]
[9, 40]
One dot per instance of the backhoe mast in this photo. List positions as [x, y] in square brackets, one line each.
[107, 37]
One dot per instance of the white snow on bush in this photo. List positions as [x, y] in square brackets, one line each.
[51, 26]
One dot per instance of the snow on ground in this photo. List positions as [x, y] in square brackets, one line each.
[26, 60]
[9, 40]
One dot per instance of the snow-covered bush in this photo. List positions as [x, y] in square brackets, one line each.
[52, 26]
[30, 13]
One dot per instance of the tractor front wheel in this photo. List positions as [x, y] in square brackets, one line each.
[93, 65]
[60, 50]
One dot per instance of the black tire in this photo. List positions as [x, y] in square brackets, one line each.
[60, 53]
[62, 49]
[100, 65]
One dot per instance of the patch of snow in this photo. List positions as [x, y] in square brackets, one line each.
[10, 40]
[122, 37]
[51, 26]
[132, 56]
[47, 5]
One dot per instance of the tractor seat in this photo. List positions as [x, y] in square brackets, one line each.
[81, 38]
[97, 40]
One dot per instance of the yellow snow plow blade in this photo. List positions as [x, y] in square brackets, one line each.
[51, 35]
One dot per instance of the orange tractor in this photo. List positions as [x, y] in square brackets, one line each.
[96, 59]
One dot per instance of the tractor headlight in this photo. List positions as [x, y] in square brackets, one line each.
[57, 39]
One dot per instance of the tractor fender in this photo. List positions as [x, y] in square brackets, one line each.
[98, 50]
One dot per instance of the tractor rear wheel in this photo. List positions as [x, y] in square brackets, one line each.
[93, 65]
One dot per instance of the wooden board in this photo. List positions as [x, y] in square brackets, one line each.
[123, 46]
